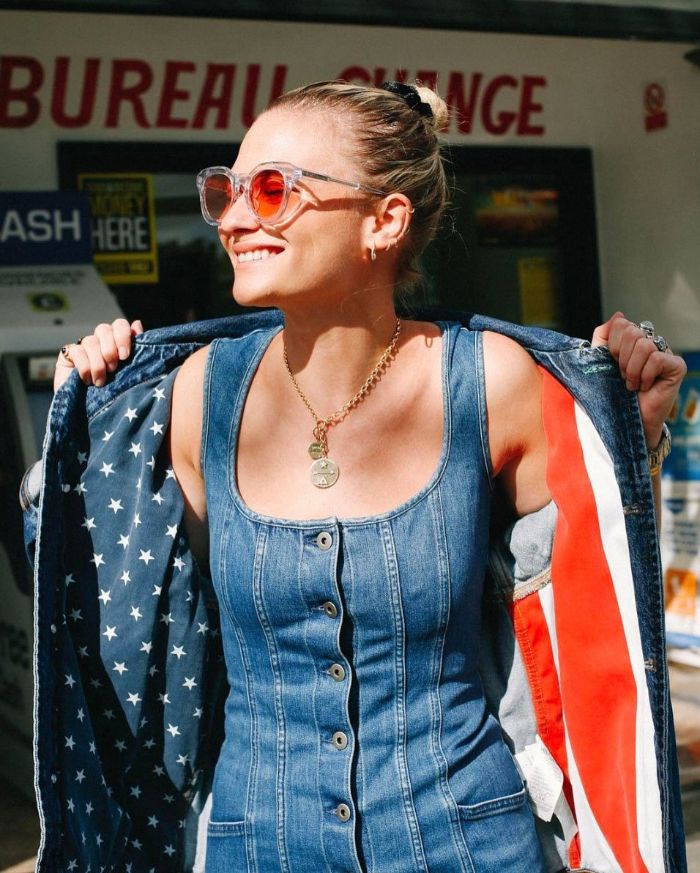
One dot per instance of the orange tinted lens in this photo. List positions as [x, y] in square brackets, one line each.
[218, 195]
[267, 194]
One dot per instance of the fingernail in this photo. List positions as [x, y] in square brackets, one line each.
[123, 353]
[99, 383]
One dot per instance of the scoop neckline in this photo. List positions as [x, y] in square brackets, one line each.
[333, 520]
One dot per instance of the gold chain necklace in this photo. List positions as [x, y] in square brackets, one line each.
[324, 472]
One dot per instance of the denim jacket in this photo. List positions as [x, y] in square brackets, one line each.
[128, 668]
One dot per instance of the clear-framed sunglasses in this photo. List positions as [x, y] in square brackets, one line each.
[269, 191]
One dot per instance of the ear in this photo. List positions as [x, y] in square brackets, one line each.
[392, 219]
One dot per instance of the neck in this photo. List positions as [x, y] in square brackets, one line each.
[332, 353]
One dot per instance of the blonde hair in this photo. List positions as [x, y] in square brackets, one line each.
[397, 148]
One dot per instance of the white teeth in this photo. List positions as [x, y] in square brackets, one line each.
[256, 255]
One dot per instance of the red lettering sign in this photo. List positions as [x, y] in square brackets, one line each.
[474, 98]
[528, 107]
[250, 97]
[500, 123]
[119, 92]
[216, 95]
[503, 105]
[87, 93]
[465, 109]
[19, 89]
[171, 94]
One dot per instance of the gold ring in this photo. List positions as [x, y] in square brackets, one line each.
[66, 353]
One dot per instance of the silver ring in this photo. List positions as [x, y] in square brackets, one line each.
[660, 343]
[648, 328]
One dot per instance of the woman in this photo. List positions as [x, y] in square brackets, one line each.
[346, 531]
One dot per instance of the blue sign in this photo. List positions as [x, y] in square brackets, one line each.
[44, 227]
[683, 464]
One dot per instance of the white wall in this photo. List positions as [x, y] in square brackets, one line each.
[591, 93]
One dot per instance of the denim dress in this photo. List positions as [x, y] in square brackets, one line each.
[357, 736]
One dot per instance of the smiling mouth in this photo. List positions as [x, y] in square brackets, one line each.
[257, 255]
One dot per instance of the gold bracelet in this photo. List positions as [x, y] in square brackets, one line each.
[657, 456]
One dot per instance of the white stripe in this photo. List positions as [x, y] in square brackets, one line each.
[595, 850]
[611, 520]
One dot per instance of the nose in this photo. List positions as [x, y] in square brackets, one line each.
[238, 217]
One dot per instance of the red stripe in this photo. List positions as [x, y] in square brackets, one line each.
[535, 645]
[597, 684]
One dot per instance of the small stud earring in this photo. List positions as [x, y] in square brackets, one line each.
[373, 252]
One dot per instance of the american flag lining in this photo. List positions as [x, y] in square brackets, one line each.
[138, 648]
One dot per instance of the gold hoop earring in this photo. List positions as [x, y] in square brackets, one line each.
[373, 252]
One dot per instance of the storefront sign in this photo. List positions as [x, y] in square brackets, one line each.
[185, 94]
[123, 226]
[43, 227]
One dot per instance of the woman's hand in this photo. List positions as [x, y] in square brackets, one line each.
[656, 376]
[97, 354]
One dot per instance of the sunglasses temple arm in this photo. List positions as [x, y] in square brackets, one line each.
[357, 186]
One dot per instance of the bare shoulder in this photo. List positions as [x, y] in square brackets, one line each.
[513, 397]
[509, 367]
[187, 407]
[191, 373]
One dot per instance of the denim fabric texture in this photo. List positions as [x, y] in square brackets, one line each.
[421, 764]
[135, 807]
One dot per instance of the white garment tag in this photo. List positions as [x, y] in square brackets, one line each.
[543, 778]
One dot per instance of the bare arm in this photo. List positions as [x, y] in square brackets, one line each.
[184, 441]
[516, 432]
[514, 402]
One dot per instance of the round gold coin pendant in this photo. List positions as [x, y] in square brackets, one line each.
[316, 450]
[324, 473]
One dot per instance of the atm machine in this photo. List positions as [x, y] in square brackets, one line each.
[50, 294]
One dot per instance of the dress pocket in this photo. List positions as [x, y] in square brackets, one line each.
[501, 836]
[226, 847]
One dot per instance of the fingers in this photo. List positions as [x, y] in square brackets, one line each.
[644, 366]
[640, 361]
[98, 354]
[89, 361]
[62, 371]
[106, 335]
[631, 348]
[601, 335]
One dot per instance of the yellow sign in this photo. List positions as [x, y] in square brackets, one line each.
[123, 226]
[537, 281]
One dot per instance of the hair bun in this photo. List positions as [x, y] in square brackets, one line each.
[440, 112]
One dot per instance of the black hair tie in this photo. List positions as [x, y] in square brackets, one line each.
[410, 95]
